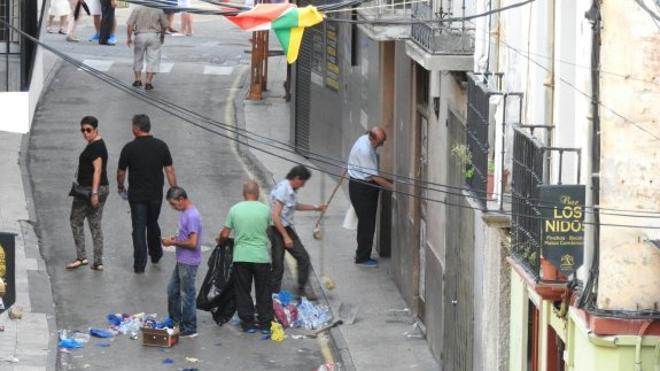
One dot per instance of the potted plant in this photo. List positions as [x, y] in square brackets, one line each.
[462, 153]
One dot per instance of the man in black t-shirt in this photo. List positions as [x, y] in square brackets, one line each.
[145, 158]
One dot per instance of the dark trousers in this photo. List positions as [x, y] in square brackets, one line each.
[364, 198]
[297, 251]
[107, 21]
[146, 232]
[243, 275]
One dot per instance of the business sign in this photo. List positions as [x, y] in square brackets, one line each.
[562, 232]
[7, 269]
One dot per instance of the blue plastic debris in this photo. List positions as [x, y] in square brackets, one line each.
[103, 345]
[285, 297]
[114, 319]
[100, 333]
[168, 361]
[69, 344]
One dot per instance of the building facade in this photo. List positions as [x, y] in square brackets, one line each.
[494, 109]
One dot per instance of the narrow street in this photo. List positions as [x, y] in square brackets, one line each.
[199, 74]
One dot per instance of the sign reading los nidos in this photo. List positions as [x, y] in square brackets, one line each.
[562, 232]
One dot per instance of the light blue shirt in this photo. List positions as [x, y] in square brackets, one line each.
[363, 159]
[284, 193]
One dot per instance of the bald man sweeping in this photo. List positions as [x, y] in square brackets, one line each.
[363, 189]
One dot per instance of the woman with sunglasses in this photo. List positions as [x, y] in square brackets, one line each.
[91, 173]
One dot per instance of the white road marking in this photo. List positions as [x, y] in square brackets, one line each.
[98, 64]
[218, 70]
[165, 67]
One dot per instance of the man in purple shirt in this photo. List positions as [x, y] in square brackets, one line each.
[188, 241]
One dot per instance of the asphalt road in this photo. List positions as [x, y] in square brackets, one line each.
[204, 68]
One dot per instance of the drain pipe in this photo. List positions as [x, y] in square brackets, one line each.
[593, 15]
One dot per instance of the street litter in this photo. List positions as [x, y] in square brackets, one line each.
[192, 359]
[328, 367]
[313, 316]
[167, 361]
[16, 312]
[103, 345]
[74, 342]
[100, 333]
[10, 359]
[69, 344]
[285, 312]
[277, 334]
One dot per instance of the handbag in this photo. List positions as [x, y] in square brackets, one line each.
[79, 191]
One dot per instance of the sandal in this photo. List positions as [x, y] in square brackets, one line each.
[148, 86]
[97, 267]
[137, 83]
[76, 263]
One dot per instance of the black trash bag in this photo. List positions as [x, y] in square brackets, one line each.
[217, 278]
[227, 304]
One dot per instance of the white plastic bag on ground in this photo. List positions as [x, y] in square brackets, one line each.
[350, 219]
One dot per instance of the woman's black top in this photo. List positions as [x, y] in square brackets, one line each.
[93, 151]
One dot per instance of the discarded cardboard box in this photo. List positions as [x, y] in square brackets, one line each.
[154, 337]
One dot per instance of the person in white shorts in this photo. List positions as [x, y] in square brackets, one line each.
[186, 18]
[58, 8]
[95, 10]
[148, 25]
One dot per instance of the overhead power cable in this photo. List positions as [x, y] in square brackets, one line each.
[166, 107]
[414, 183]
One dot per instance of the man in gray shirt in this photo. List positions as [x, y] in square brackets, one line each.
[283, 236]
[148, 25]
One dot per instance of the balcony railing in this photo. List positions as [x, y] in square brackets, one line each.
[476, 137]
[438, 37]
[531, 170]
[17, 53]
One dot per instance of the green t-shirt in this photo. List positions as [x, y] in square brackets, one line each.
[249, 221]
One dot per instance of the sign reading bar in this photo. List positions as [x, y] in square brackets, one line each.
[562, 237]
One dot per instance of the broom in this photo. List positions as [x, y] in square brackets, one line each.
[328, 282]
[317, 227]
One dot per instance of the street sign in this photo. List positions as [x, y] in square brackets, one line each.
[562, 231]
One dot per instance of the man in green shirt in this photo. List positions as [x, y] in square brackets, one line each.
[249, 219]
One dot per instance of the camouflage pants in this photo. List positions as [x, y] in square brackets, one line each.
[81, 209]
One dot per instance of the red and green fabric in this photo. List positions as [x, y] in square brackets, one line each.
[286, 20]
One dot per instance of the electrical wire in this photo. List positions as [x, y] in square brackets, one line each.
[166, 106]
[415, 183]
[408, 20]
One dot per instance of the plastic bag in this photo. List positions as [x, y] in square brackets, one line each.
[311, 316]
[277, 332]
[100, 333]
[69, 344]
[217, 277]
[285, 314]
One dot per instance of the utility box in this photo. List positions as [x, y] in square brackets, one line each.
[7, 270]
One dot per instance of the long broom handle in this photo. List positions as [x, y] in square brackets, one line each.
[332, 195]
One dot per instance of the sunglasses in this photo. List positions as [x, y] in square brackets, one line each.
[86, 130]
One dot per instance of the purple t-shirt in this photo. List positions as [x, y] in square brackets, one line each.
[189, 222]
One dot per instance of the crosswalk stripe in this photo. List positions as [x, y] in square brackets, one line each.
[98, 64]
[218, 70]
